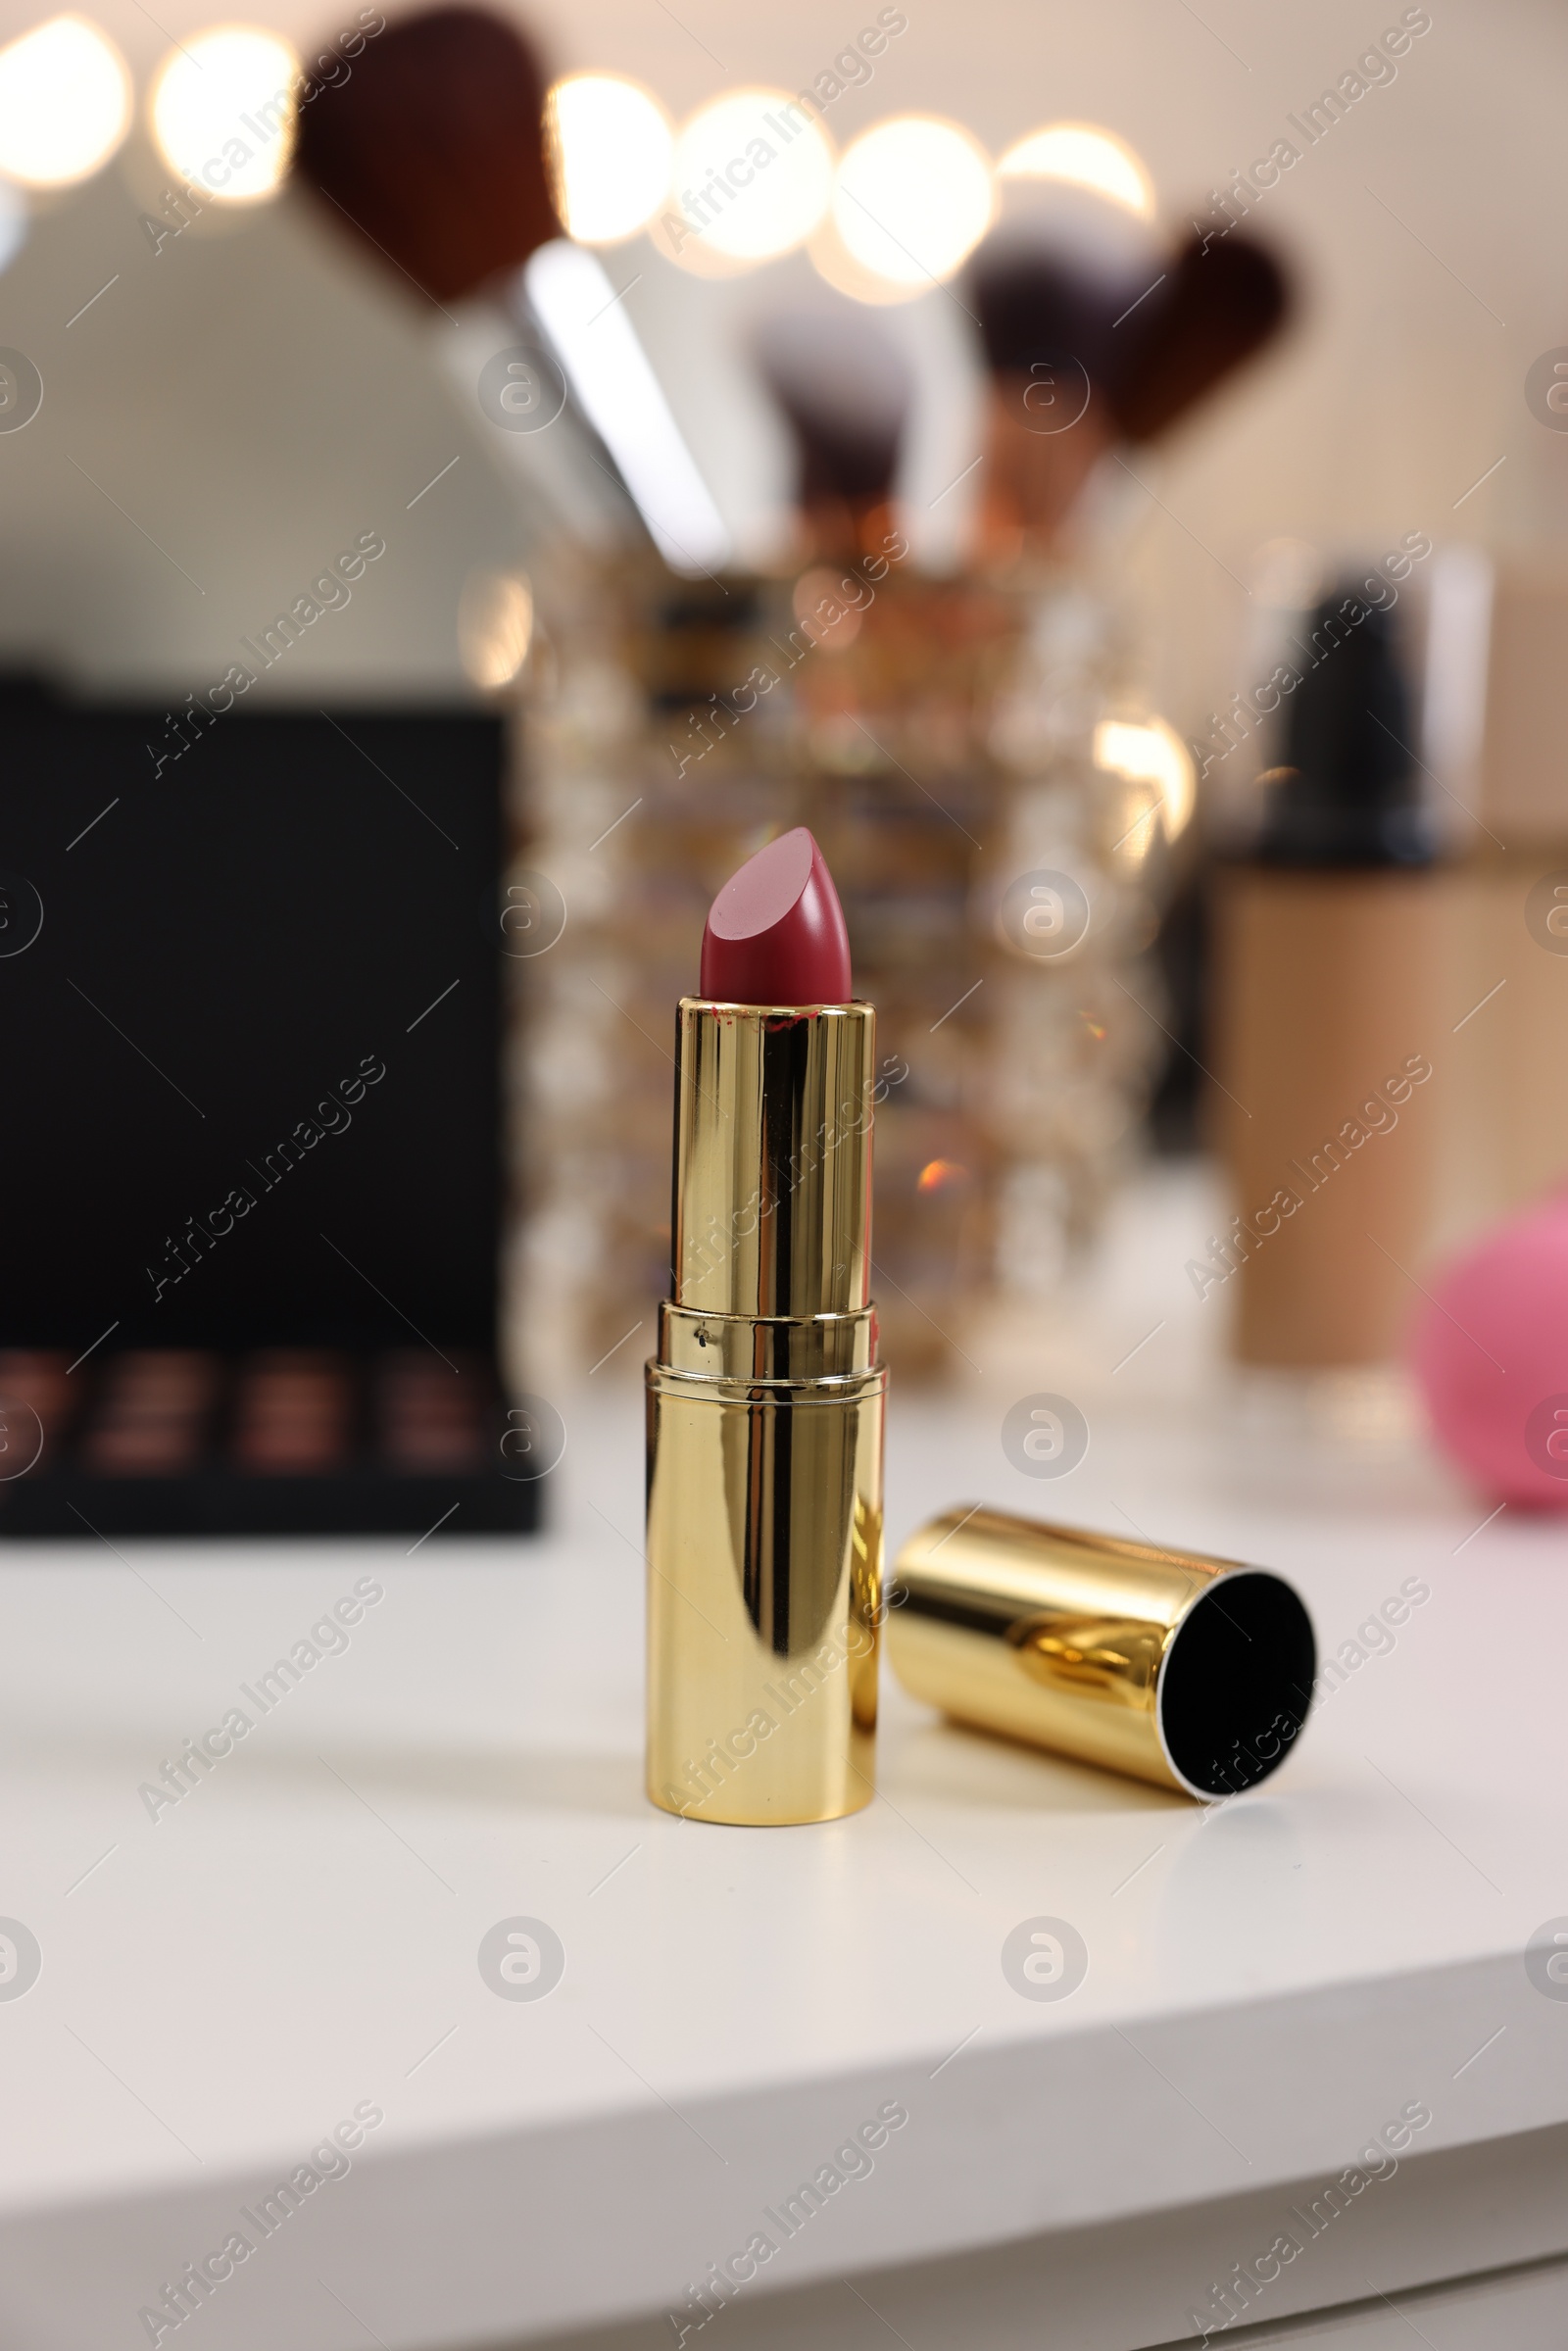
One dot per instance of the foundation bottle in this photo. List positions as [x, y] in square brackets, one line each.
[1326, 1023]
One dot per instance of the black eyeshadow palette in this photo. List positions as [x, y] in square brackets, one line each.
[251, 1177]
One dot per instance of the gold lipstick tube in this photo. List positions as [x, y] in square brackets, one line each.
[764, 1425]
[1192, 1672]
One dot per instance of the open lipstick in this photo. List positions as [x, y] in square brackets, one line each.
[764, 1400]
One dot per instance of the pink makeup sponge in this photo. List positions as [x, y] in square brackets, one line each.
[1492, 1358]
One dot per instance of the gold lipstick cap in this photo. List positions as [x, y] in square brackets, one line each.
[1192, 1672]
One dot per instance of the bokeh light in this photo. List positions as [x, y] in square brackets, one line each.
[753, 176]
[838, 268]
[613, 149]
[65, 103]
[223, 112]
[1151, 753]
[495, 627]
[1085, 157]
[913, 199]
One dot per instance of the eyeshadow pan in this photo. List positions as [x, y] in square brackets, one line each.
[151, 1413]
[34, 1383]
[429, 1418]
[293, 1414]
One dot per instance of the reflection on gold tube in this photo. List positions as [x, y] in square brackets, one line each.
[764, 1425]
[1192, 1672]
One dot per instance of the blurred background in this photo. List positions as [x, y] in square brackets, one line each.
[1102, 471]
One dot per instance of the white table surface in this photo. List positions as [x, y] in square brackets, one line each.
[1269, 1982]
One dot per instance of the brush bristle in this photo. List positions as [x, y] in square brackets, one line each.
[433, 149]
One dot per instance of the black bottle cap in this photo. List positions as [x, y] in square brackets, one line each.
[1348, 791]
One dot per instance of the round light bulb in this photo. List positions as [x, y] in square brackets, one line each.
[753, 175]
[65, 103]
[223, 112]
[1085, 157]
[611, 147]
[913, 198]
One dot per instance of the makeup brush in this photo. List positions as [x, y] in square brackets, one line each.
[1046, 295]
[434, 153]
[1220, 305]
[1089, 341]
[845, 392]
